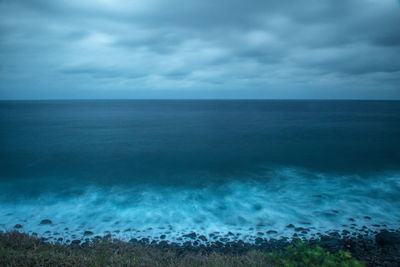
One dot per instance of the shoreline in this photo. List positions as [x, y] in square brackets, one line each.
[371, 247]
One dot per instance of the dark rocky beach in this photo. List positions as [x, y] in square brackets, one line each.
[374, 247]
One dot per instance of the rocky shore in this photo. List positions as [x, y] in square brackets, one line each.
[372, 246]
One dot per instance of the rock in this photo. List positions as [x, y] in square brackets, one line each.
[86, 233]
[163, 244]
[18, 226]
[386, 238]
[191, 235]
[187, 244]
[133, 241]
[45, 222]
[290, 226]
[331, 243]
[259, 240]
[75, 242]
[367, 217]
[163, 236]
[218, 244]
[203, 238]
[145, 241]
[272, 232]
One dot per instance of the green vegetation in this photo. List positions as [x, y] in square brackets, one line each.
[301, 254]
[18, 249]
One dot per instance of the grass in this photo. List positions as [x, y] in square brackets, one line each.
[18, 249]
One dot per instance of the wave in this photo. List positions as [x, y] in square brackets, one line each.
[266, 205]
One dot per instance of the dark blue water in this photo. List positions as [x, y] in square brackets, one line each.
[203, 165]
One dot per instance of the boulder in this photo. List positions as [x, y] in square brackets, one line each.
[18, 226]
[46, 221]
[191, 235]
[386, 238]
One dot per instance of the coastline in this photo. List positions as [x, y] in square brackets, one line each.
[373, 249]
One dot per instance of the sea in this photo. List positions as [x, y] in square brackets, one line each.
[161, 169]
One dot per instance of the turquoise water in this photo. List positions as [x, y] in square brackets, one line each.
[146, 168]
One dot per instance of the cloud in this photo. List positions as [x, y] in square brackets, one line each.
[174, 49]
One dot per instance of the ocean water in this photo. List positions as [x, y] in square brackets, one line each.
[143, 168]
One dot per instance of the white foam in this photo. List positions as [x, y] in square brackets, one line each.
[286, 196]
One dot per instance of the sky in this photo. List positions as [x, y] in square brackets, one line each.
[207, 49]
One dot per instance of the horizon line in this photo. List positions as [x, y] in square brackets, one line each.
[198, 99]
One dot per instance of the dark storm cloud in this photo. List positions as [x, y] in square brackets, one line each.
[226, 48]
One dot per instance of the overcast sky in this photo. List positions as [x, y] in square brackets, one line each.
[51, 49]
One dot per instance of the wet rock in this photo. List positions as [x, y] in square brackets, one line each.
[259, 240]
[187, 244]
[351, 219]
[191, 235]
[46, 222]
[271, 232]
[86, 233]
[60, 239]
[133, 241]
[331, 243]
[163, 244]
[203, 238]
[218, 244]
[75, 242]
[290, 226]
[386, 238]
[145, 241]
[163, 236]
[18, 226]
[367, 217]
[345, 232]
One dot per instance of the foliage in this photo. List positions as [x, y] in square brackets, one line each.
[301, 254]
[18, 249]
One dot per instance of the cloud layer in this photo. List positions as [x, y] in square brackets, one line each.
[200, 49]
